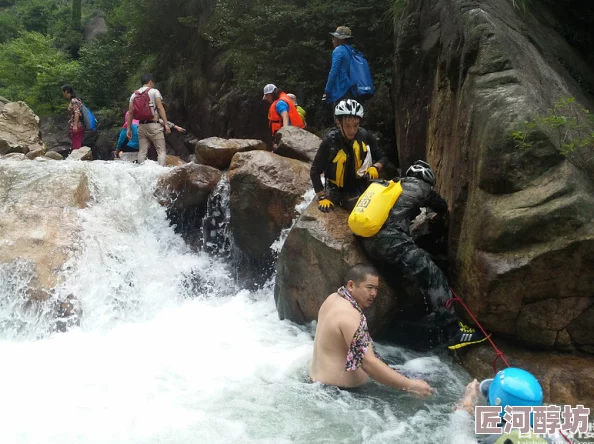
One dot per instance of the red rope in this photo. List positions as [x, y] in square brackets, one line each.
[499, 354]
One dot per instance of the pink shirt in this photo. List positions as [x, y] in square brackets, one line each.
[134, 121]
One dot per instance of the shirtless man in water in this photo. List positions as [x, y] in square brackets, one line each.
[343, 350]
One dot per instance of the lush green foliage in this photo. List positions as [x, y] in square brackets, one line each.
[33, 70]
[105, 67]
[219, 52]
[573, 126]
[287, 42]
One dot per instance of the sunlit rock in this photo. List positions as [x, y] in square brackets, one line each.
[297, 143]
[265, 188]
[218, 152]
[187, 186]
[19, 129]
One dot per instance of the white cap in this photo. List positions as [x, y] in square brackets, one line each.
[268, 89]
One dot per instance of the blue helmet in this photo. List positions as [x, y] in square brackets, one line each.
[513, 387]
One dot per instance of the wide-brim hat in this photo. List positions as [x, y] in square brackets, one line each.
[342, 33]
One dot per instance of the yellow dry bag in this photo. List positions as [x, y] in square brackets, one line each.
[373, 207]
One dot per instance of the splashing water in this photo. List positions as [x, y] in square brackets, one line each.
[170, 350]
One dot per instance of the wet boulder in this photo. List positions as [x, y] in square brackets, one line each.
[35, 153]
[297, 143]
[19, 129]
[53, 155]
[187, 186]
[174, 161]
[40, 224]
[218, 152]
[265, 188]
[15, 156]
[83, 153]
[313, 260]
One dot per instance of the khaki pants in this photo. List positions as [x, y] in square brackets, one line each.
[147, 133]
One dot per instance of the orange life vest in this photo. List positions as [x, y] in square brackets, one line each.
[276, 121]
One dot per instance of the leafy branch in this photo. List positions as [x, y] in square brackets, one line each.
[573, 125]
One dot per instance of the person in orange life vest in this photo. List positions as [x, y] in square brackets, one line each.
[282, 111]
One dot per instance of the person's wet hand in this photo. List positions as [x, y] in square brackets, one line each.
[420, 388]
[471, 391]
[325, 205]
[167, 129]
[372, 172]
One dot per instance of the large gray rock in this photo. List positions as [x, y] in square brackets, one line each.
[187, 186]
[35, 153]
[218, 152]
[265, 188]
[522, 220]
[297, 143]
[95, 27]
[19, 129]
[54, 132]
[314, 258]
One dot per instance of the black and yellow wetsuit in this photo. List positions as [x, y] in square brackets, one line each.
[339, 160]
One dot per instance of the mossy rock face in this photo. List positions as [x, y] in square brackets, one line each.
[521, 220]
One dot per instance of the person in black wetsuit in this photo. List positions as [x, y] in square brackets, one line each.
[348, 157]
[394, 245]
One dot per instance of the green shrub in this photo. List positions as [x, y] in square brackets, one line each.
[33, 70]
[571, 124]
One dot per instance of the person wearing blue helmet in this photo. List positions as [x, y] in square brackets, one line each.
[510, 387]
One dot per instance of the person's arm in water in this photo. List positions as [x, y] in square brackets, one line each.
[375, 368]
[470, 398]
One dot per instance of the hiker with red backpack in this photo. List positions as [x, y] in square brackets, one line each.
[349, 76]
[146, 106]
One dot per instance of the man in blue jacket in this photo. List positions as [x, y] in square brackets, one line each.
[339, 85]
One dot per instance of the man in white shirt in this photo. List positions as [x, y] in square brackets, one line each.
[148, 107]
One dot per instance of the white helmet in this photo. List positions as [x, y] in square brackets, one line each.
[348, 107]
[421, 170]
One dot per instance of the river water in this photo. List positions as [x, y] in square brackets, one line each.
[171, 350]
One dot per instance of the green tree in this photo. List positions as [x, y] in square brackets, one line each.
[33, 70]
[76, 15]
[105, 67]
[9, 27]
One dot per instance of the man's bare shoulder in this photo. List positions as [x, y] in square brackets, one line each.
[339, 308]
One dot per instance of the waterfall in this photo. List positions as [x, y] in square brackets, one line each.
[167, 348]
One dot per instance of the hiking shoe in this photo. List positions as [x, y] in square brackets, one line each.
[464, 336]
